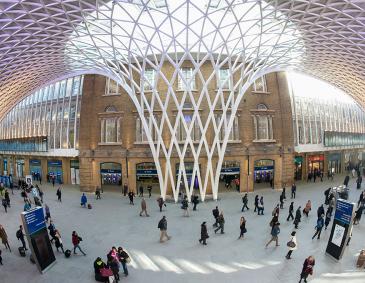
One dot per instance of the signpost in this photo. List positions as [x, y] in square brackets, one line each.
[341, 228]
[38, 240]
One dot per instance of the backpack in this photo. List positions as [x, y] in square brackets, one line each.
[159, 224]
[18, 234]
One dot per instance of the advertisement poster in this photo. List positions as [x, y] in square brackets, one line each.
[338, 235]
[29, 180]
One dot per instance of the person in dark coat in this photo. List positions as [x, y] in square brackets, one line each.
[114, 266]
[203, 233]
[221, 222]
[7, 198]
[256, 203]
[319, 227]
[291, 210]
[244, 201]
[281, 201]
[293, 190]
[326, 196]
[195, 201]
[59, 194]
[160, 202]
[307, 268]
[358, 214]
[216, 215]
[347, 180]
[20, 237]
[242, 227]
[327, 219]
[320, 211]
[131, 196]
[123, 258]
[298, 216]
[125, 189]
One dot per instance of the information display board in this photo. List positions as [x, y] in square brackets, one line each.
[38, 240]
[341, 228]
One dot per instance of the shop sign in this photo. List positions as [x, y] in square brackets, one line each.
[298, 159]
[264, 168]
[146, 172]
[230, 170]
[110, 171]
[55, 163]
[34, 162]
[314, 158]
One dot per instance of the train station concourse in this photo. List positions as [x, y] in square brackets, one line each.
[202, 105]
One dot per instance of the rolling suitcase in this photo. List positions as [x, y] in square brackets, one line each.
[21, 251]
[89, 206]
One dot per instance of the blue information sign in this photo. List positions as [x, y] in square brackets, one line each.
[344, 211]
[230, 170]
[146, 172]
[34, 219]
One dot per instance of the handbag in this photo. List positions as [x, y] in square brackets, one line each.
[106, 272]
[128, 260]
[291, 244]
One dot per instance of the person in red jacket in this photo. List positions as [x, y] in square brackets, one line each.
[307, 268]
[76, 242]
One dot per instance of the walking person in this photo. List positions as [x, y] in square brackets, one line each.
[281, 201]
[149, 189]
[98, 193]
[53, 180]
[298, 217]
[20, 236]
[307, 268]
[113, 264]
[260, 208]
[244, 201]
[203, 233]
[185, 206]
[320, 210]
[7, 197]
[195, 201]
[160, 202]
[76, 239]
[318, 227]
[162, 225]
[327, 218]
[58, 193]
[256, 203]
[291, 210]
[4, 237]
[131, 196]
[243, 229]
[140, 190]
[52, 231]
[5, 204]
[83, 200]
[144, 208]
[358, 214]
[307, 208]
[58, 241]
[293, 191]
[215, 212]
[292, 244]
[124, 259]
[221, 222]
[284, 192]
[275, 231]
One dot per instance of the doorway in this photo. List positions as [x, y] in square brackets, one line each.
[264, 174]
[111, 175]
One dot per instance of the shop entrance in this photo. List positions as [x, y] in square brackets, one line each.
[264, 173]
[110, 174]
[298, 162]
[35, 168]
[315, 164]
[229, 179]
[334, 163]
[146, 175]
[55, 171]
[75, 172]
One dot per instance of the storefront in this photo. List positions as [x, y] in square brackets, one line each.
[334, 162]
[75, 172]
[20, 168]
[5, 167]
[298, 163]
[264, 173]
[55, 171]
[230, 171]
[315, 163]
[111, 174]
[35, 168]
[146, 175]
[189, 166]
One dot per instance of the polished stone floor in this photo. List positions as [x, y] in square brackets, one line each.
[112, 221]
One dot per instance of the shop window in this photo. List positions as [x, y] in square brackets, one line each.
[224, 80]
[260, 85]
[186, 79]
[111, 87]
[110, 127]
[148, 79]
[141, 136]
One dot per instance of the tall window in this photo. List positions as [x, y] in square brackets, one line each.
[111, 87]
[110, 126]
[260, 84]
[195, 131]
[186, 79]
[224, 80]
[234, 133]
[263, 123]
[149, 79]
[141, 133]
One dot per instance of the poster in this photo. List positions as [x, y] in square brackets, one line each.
[29, 180]
[338, 235]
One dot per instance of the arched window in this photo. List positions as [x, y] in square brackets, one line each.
[110, 125]
[262, 119]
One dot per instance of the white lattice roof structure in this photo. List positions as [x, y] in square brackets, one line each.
[46, 40]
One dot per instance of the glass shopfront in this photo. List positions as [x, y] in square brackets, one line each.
[75, 172]
[35, 168]
[189, 166]
[334, 163]
[5, 167]
[55, 171]
[230, 171]
[264, 172]
[111, 174]
[298, 163]
[315, 163]
[146, 175]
